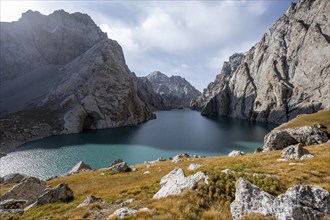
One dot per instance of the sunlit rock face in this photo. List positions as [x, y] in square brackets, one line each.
[285, 74]
[61, 74]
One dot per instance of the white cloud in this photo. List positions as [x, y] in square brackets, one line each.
[190, 38]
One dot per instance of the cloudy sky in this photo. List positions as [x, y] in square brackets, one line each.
[187, 38]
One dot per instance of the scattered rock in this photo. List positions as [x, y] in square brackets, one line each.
[127, 202]
[89, 200]
[294, 152]
[161, 159]
[12, 204]
[258, 150]
[302, 202]
[147, 172]
[249, 199]
[194, 166]
[306, 156]
[235, 153]
[116, 162]
[228, 171]
[79, 167]
[121, 167]
[122, 213]
[299, 202]
[14, 178]
[296, 164]
[176, 182]
[11, 211]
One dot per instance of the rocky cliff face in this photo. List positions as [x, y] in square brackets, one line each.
[67, 77]
[175, 91]
[287, 73]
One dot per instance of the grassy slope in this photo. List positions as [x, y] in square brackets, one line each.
[118, 187]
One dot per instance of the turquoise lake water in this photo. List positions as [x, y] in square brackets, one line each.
[173, 132]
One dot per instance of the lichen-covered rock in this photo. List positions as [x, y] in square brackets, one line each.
[29, 189]
[60, 193]
[297, 203]
[13, 178]
[89, 200]
[236, 153]
[12, 204]
[294, 152]
[121, 167]
[302, 202]
[282, 76]
[79, 167]
[176, 182]
[122, 213]
[249, 199]
[279, 138]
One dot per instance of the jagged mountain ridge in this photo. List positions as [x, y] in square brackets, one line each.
[64, 92]
[176, 91]
[287, 73]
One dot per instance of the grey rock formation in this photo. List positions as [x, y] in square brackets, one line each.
[121, 167]
[285, 74]
[294, 152]
[79, 167]
[236, 153]
[29, 189]
[176, 182]
[249, 199]
[279, 138]
[13, 178]
[12, 204]
[299, 202]
[78, 81]
[228, 171]
[302, 202]
[60, 193]
[126, 212]
[175, 91]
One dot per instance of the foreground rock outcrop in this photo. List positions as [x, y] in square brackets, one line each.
[31, 192]
[176, 182]
[279, 138]
[83, 80]
[285, 74]
[79, 167]
[299, 202]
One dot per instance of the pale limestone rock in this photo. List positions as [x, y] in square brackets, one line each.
[122, 213]
[176, 182]
[228, 171]
[236, 153]
[79, 167]
[249, 199]
[294, 152]
[194, 166]
[121, 167]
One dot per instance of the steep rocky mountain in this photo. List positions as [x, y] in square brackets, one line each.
[287, 73]
[175, 91]
[63, 77]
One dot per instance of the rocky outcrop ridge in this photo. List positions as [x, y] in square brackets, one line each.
[78, 81]
[299, 202]
[174, 91]
[285, 74]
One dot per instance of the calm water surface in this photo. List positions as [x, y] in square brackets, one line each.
[173, 132]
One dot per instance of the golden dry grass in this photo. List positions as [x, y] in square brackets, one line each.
[116, 187]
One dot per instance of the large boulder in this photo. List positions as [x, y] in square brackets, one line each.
[294, 152]
[297, 203]
[176, 182]
[60, 193]
[79, 167]
[307, 135]
[302, 202]
[29, 189]
[249, 199]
